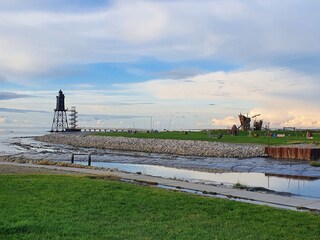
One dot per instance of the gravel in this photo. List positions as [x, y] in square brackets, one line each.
[168, 146]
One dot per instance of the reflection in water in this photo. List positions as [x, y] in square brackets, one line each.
[291, 176]
[252, 170]
[303, 187]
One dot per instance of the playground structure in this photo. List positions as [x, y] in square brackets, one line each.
[245, 122]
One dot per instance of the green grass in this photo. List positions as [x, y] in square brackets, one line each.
[315, 163]
[240, 186]
[73, 207]
[243, 137]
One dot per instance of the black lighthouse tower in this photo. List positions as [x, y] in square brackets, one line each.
[60, 119]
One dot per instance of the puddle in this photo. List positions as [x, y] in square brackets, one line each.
[215, 195]
[308, 187]
[232, 198]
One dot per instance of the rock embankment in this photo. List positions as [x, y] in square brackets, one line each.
[179, 147]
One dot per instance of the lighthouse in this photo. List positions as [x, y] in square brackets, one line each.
[60, 119]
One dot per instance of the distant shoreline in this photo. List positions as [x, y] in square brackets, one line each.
[166, 146]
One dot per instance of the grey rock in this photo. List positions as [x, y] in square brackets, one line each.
[168, 146]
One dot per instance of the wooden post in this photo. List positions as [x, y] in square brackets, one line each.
[307, 154]
[89, 159]
[277, 152]
[293, 153]
[72, 157]
[267, 150]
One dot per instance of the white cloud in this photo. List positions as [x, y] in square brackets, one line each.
[254, 34]
[298, 114]
[4, 119]
[228, 121]
[282, 97]
[303, 121]
[242, 85]
[251, 32]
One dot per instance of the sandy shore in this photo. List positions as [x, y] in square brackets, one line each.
[178, 147]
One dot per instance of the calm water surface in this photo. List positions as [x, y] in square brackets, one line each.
[308, 187]
[254, 172]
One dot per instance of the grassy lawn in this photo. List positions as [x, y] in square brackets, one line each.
[74, 207]
[291, 137]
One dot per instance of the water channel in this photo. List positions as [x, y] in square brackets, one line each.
[300, 186]
[284, 177]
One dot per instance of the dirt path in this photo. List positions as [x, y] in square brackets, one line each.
[10, 169]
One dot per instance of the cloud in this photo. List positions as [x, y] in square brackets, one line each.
[112, 121]
[109, 117]
[14, 110]
[3, 78]
[242, 85]
[180, 73]
[297, 113]
[302, 121]
[4, 119]
[10, 95]
[247, 32]
[126, 103]
[64, 36]
[57, 5]
[37, 38]
[228, 121]
[276, 93]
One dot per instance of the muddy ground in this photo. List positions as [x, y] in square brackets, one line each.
[10, 169]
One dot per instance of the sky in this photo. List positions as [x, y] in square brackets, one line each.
[178, 64]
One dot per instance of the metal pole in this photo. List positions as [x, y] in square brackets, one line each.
[89, 159]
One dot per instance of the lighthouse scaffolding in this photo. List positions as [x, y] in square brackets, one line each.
[60, 119]
[73, 119]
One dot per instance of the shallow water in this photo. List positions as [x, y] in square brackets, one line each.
[8, 135]
[308, 187]
[249, 171]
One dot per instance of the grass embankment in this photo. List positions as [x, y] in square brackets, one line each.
[291, 137]
[73, 207]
